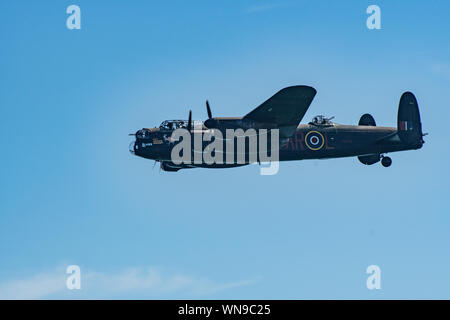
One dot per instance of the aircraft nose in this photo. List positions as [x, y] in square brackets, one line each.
[132, 146]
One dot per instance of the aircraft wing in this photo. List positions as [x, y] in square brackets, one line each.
[285, 108]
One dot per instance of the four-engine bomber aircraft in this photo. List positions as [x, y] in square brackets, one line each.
[319, 139]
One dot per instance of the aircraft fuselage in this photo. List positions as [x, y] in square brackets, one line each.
[308, 142]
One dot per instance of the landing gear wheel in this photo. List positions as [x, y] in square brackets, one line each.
[386, 162]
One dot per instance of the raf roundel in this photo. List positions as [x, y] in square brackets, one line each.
[314, 140]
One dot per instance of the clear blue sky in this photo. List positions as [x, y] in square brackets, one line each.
[71, 193]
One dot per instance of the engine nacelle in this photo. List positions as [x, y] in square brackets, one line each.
[369, 159]
[169, 166]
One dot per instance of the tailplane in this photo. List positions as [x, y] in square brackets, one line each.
[408, 121]
[367, 120]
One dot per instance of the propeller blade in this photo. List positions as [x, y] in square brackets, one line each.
[189, 126]
[208, 109]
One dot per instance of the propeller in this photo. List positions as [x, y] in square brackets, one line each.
[189, 126]
[208, 109]
[209, 123]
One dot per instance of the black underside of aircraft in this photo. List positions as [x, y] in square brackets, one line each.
[319, 139]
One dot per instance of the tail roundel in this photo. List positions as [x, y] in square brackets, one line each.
[408, 120]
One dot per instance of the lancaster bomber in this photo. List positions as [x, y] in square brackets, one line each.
[319, 139]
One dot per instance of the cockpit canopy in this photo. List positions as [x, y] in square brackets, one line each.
[144, 133]
[321, 120]
[178, 124]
